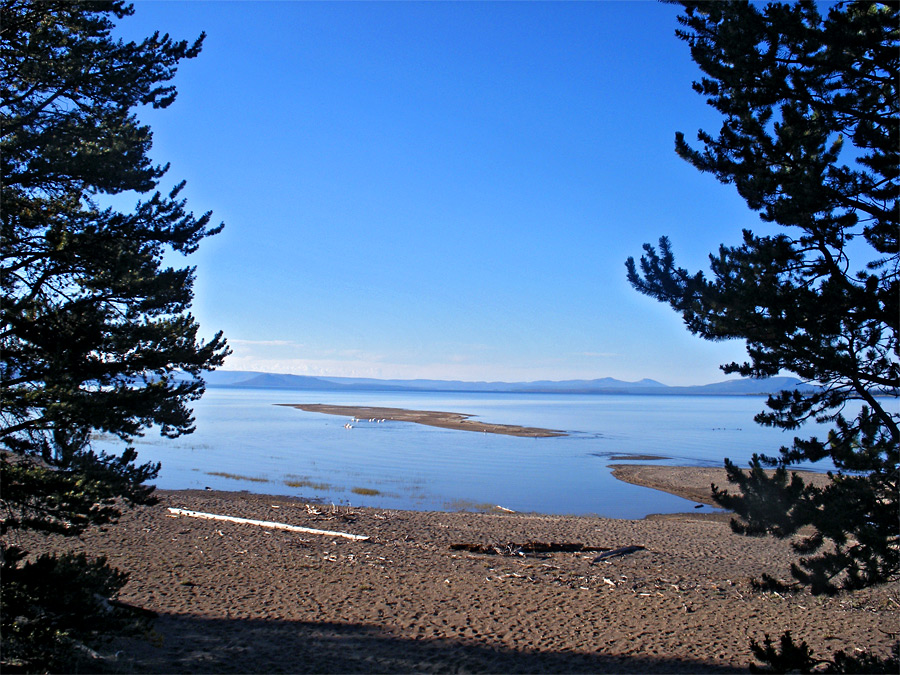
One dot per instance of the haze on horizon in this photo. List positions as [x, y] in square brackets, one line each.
[441, 190]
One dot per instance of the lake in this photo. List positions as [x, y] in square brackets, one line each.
[245, 441]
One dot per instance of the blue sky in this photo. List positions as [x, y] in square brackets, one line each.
[441, 190]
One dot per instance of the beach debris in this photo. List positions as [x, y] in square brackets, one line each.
[504, 509]
[266, 523]
[625, 550]
[508, 575]
[526, 548]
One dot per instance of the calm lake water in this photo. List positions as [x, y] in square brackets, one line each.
[244, 441]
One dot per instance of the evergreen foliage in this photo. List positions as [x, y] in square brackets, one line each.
[59, 605]
[96, 336]
[810, 138]
[790, 657]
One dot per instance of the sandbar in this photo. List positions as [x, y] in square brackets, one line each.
[690, 482]
[432, 418]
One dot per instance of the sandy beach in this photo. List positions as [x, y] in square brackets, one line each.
[414, 596]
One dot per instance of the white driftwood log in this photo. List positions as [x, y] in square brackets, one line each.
[267, 523]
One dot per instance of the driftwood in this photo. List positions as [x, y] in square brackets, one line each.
[625, 550]
[522, 549]
[267, 523]
[543, 547]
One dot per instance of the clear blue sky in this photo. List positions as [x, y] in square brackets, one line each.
[441, 190]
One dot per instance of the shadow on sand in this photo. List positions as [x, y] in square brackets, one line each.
[186, 644]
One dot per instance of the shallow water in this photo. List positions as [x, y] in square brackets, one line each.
[244, 441]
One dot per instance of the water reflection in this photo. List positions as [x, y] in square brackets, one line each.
[244, 441]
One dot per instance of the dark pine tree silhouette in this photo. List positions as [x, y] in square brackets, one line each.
[810, 139]
[96, 334]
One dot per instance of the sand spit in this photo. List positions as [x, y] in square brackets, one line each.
[445, 420]
[690, 482]
[236, 598]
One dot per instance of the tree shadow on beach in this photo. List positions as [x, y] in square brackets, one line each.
[186, 644]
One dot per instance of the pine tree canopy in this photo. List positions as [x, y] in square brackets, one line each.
[810, 138]
[96, 334]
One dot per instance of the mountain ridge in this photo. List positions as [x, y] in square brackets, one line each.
[605, 385]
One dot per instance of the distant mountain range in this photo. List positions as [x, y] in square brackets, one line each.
[606, 385]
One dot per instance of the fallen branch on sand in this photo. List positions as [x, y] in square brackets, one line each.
[542, 547]
[616, 552]
[528, 547]
[267, 523]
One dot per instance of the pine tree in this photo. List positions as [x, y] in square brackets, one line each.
[96, 335]
[810, 139]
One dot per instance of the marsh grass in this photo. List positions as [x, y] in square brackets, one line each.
[236, 476]
[304, 483]
[367, 492]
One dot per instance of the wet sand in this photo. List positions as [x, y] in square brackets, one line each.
[236, 597]
[445, 420]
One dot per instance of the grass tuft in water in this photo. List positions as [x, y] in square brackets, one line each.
[367, 492]
[303, 483]
[236, 476]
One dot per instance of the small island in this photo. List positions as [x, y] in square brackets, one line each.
[445, 420]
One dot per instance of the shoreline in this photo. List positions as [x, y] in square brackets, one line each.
[692, 483]
[432, 418]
